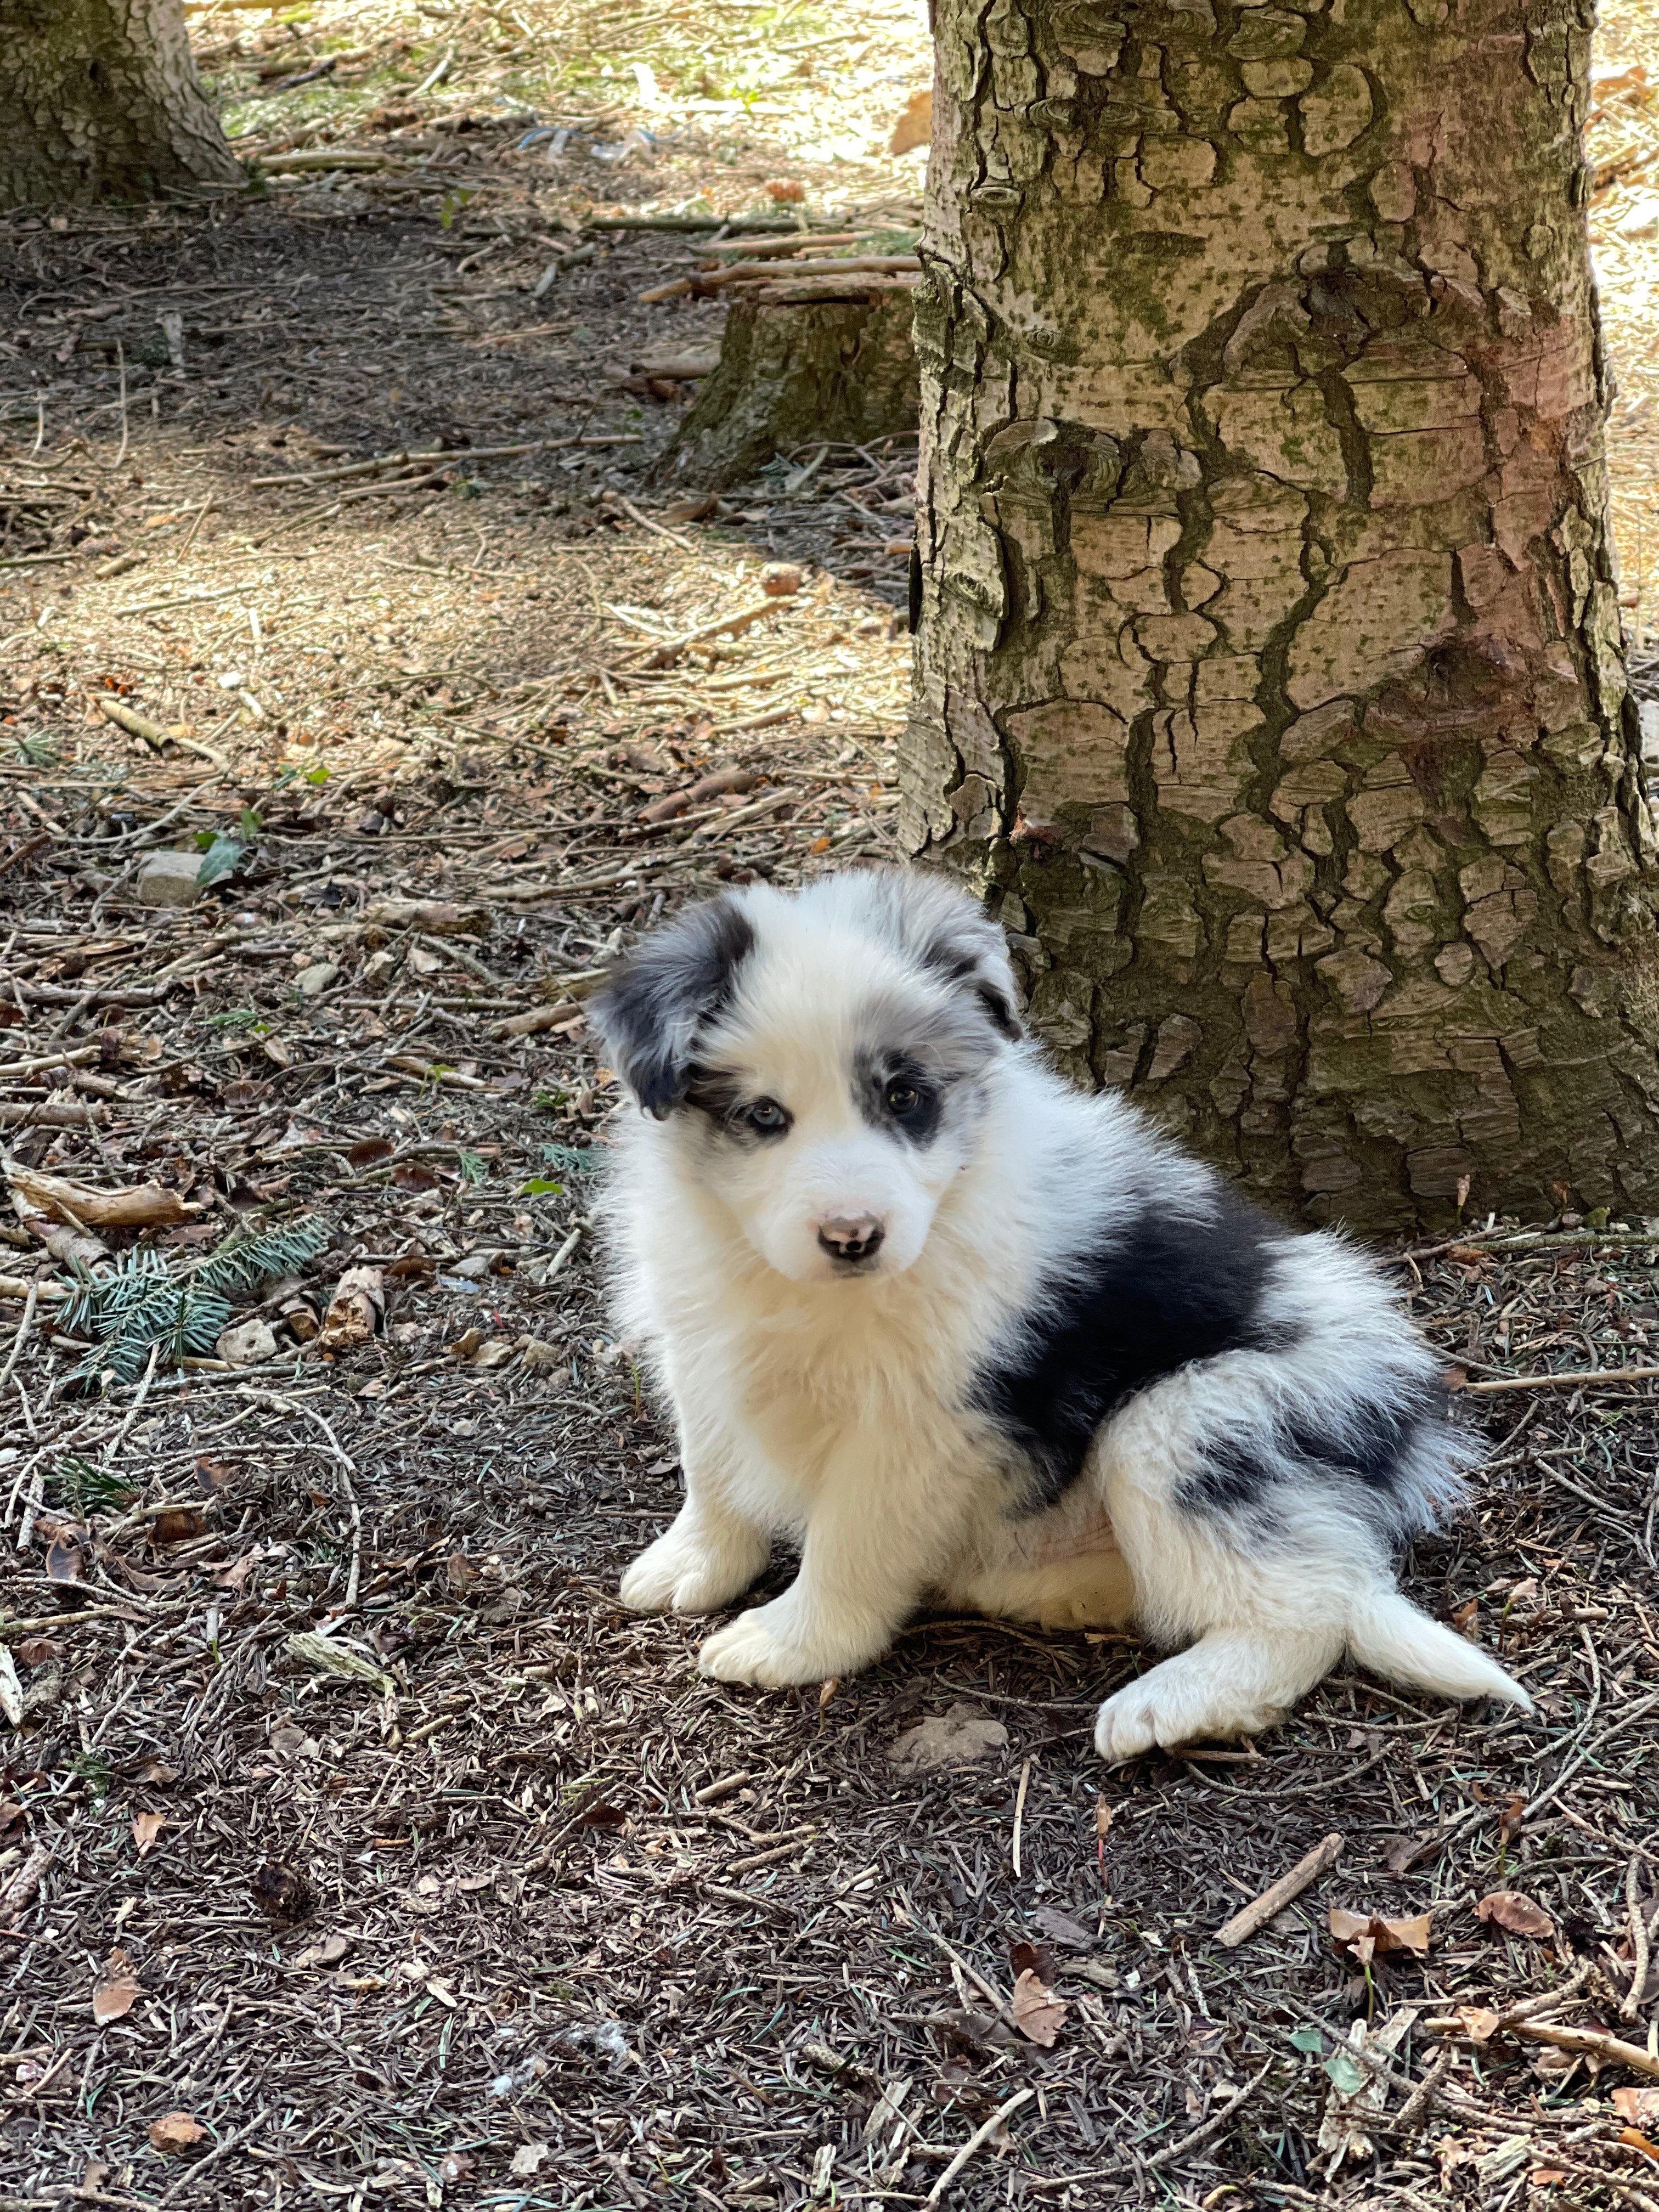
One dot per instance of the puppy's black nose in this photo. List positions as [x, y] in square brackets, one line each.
[856, 1238]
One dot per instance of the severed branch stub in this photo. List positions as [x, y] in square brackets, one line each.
[1261, 1910]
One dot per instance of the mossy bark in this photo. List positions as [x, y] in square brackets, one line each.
[793, 376]
[1269, 670]
[100, 100]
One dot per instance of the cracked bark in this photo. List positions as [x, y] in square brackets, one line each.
[1269, 675]
[100, 100]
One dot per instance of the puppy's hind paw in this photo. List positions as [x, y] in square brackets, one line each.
[686, 1571]
[1176, 1704]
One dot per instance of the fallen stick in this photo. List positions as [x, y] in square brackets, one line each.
[51, 1116]
[1217, 2121]
[1584, 2042]
[15, 1287]
[977, 2141]
[1261, 1910]
[1586, 1376]
[537, 1019]
[78, 1056]
[671, 649]
[139, 725]
[26, 851]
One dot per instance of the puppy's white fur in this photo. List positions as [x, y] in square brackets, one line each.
[1240, 1500]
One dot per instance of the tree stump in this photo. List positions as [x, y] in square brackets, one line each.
[842, 373]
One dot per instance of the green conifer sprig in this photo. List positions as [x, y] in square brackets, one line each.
[141, 1303]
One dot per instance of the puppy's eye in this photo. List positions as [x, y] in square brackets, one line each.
[902, 1099]
[767, 1116]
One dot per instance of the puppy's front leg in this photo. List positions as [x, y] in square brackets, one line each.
[874, 1542]
[712, 1550]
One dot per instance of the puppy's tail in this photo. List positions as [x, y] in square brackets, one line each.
[1386, 1634]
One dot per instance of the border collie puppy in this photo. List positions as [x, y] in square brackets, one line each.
[974, 1339]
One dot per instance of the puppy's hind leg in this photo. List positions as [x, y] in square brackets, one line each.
[1260, 1597]
[1232, 1683]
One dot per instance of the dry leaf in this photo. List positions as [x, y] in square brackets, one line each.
[528, 2160]
[1477, 2023]
[180, 1524]
[353, 1311]
[1060, 1929]
[1641, 2105]
[915, 126]
[1038, 2013]
[1634, 2138]
[116, 1994]
[328, 1953]
[1511, 1909]
[1466, 1618]
[1359, 2092]
[246, 1343]
[1544, 2177]
[1364, 1935]
[138, 1206]
[146, 1831]
[64, 1561]
[1512, 1819]
[454, 2166]
[955, 1738]
[175, 2131]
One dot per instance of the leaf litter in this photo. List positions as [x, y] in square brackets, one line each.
[428, 758]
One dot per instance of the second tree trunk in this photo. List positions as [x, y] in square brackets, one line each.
[1269, 672]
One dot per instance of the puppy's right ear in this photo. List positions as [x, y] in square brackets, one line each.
[652, 1010]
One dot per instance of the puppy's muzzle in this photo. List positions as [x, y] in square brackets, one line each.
[852, 1238]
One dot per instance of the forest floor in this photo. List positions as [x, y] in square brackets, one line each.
[355, 1849]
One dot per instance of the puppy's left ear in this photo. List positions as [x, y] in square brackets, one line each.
[652, 1010]
[967, 949]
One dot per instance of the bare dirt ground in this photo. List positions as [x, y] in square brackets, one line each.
[355, 1849]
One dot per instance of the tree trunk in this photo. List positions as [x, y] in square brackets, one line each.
[1269, 673]
[100, 100]
[844, 373]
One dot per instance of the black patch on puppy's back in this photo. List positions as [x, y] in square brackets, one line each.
[652, 1011]
[1169, 1288]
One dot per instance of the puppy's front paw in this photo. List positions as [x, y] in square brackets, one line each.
[1176, 1703]
[760, 1647]
[688, 1571]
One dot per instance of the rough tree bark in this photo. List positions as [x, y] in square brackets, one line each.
[1268, 674]
[791, 376]
[100, 100]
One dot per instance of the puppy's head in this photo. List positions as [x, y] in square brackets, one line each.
[819, 1059]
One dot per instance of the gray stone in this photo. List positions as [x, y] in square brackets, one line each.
[168, 879]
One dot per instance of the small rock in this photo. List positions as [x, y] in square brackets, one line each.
[475, 1266]
[168, 879]
[955, 1738]
[780, 579]
[247, 1343]
[311, 982]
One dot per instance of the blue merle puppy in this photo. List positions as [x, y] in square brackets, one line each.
[970, 1338]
